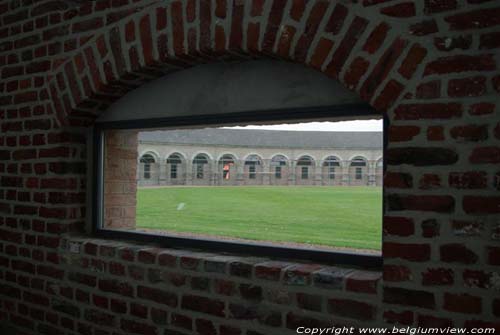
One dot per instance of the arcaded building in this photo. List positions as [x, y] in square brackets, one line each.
[259, 157]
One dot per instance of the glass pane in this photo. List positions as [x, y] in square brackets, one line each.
[301, 187]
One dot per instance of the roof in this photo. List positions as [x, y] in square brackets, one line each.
[265, 138]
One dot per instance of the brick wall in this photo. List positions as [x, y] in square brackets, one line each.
[431, 66]
[120, 179]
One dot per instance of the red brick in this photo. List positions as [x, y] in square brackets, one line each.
[404, 318]
[485, 155]
[477, 19]
[322, 50]
[203, 305]
[337, 19]
[489, 40]
[468, 180]
[428, 111]
[311, 27]
[146, 39]
[448, 43]
[481, 108]
[410, 252]
[376, 38]
[415, 56]
[429, 181]
[398, 180]
[481, 204]
[467, 87]
[404, 9]
[297, 10]
[428, 203]
[86, 25]
[398, 226]
[357, 69]
[135, 327]
[437, 276]
[345, 47]
[424, 27]
[388, 96]
[457, 253]
[460, 63]
[352, 309]
[396, 273]
[429, 90]
[403, 133]
[157, 295]
[477, 278]
[382, 68]
[363, 281]
[438, 6]
[433, 322]
[274, 21]
[407, 297]
[462, 303]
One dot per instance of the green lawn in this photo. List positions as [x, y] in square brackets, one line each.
[330, 216]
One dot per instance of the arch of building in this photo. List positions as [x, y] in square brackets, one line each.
[255, 168]
[430, 66]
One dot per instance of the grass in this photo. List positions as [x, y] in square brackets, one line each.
[330, 216]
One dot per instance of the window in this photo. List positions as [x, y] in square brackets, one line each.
[359, 173]
[278, 203]
[304, 174]
[199, 162]
[146, 161]
[252, 162]
[278, 162]
[226, 164]
[304, 162]
[173, 171]
[277, 172]
[331, 172]
[251, 172]
[174, 160]
[331, 162]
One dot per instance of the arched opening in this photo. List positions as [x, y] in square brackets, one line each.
[227, 170]
[175, 172]
[201, 170]
[304, 174]
[331, 171]
[279, 170]
[252, 170]
[148, 174]
[358, 171]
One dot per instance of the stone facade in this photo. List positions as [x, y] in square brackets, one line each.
[168, 163]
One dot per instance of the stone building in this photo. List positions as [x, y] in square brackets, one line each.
[259, 157]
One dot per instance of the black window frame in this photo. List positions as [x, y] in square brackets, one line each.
[248, 248]
[173, 171]
[277, 172]
[304, 172]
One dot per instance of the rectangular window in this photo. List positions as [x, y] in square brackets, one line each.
[251, 172]
[359, 173]
[331, 172]
[219, 210]
[277, 172]
[147, 171]
[173, 171]
[199, 171]
[304, 173]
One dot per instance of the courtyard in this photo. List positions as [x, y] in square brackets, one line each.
[339, 217]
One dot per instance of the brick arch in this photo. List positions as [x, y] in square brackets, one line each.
[335, 38]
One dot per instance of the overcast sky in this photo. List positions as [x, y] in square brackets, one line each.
[365, 125]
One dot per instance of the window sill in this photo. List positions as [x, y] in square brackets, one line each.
[257, 269]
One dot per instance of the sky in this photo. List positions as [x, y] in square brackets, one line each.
[359, 125]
